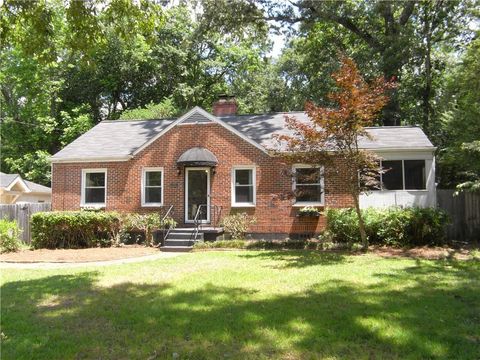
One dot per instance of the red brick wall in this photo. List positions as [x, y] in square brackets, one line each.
[274, 213]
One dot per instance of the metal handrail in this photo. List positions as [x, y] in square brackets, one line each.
[217, 211]
[168, 212]
[166, 232]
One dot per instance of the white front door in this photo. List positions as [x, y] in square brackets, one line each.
[197, 193]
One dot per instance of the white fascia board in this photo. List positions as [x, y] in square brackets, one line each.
[88, 160]
[22, 183]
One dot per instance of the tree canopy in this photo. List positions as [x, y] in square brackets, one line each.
[65, 65]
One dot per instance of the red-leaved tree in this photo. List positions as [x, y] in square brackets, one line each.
[331, 137]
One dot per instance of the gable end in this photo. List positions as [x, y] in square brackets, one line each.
[198, 112]
[196, 118]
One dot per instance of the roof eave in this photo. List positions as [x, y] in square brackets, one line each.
[418, 148]
[89, 160]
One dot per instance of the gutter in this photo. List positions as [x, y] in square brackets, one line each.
[88, 160]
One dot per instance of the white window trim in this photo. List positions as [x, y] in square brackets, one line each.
[403, 176]
[233, 185]
[144, 182]
[83, 183]
[322, 185]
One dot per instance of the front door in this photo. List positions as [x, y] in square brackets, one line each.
[197, 193]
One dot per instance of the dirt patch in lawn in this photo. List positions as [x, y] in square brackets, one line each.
[78, 255]
[431, 253]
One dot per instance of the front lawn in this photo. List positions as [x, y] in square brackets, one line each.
[245, 304]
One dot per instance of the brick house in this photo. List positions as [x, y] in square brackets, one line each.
[201, 163]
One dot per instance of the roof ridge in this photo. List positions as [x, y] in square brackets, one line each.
[392, 127]
[134, 120]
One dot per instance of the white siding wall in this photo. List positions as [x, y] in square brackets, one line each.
[34, 198]
[405, 198]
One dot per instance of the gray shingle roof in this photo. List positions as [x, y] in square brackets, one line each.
[34, 187]
[260, 128]
[7, 179]
[112, 139]
[119, 139]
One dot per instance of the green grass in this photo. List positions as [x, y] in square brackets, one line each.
[246, 304]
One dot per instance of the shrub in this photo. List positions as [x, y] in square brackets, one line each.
[148, 223]
[74, 229]
[220, 244]
[237, 224]
[393, 226]
[9, 236]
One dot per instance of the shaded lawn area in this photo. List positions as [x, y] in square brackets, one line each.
[246, 304]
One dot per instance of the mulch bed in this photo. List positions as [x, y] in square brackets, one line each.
[430, 253]
[78, 255]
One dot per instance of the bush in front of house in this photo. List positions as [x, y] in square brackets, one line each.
[9, 236]
[392, 226]
[237, 224]
[287, 244]
[148, 223]
[75, 229]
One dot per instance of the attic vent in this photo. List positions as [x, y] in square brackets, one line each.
[196, 118]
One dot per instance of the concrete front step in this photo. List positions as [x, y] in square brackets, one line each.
[182, 235]
[176, 248]
[178, 242]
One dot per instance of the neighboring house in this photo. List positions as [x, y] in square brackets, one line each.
[15, 190]
[220, 160]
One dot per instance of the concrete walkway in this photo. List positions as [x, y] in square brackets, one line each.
[66, 265]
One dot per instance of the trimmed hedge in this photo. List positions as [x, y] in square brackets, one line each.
[392, 226]
[74, 229]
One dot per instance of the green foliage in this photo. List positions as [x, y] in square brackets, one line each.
[75, 123]
[9, 236]
[74, 229]
[220, 244]
[459, 135]
[33, 166]
[237, 224]
[162, 110]
[288, 244]
[393, 226]
[148, 223]
[66, 65]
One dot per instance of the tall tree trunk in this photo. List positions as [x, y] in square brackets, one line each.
[361, 223]
[427, 89]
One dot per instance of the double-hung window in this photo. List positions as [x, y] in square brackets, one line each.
[308, 185]
[243, 186]
[403, 175]
[94, 187]
[152, 187]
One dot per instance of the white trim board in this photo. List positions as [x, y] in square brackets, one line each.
[143, 183]
[82, 184]
[89, 160]
[233, 186]
[208, 171]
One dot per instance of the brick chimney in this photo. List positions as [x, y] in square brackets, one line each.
[225, 105]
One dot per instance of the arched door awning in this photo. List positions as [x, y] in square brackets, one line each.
[197, 156]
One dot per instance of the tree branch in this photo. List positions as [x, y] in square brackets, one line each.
[406, 12]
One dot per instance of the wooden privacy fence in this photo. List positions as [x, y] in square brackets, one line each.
[464, 211]
[22, 213]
